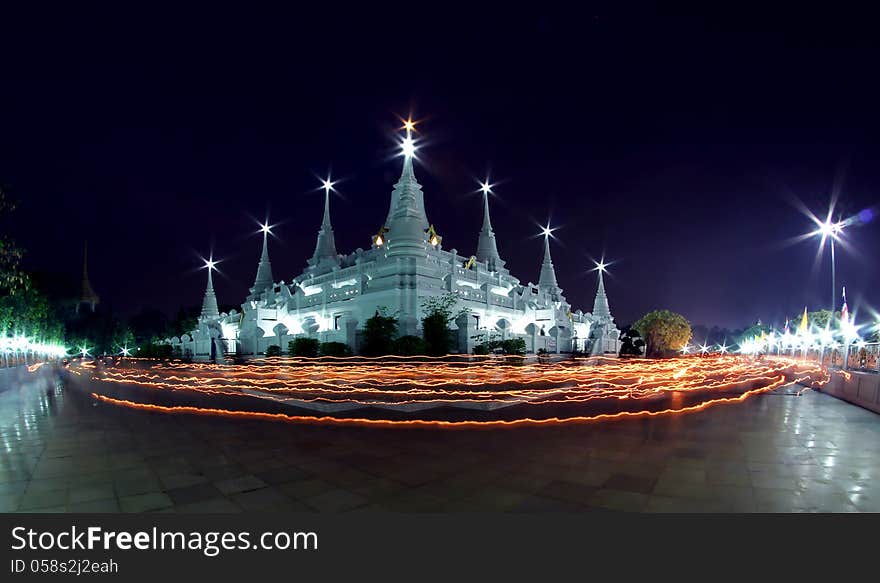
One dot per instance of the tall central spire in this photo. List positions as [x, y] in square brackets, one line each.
[209, 303]
[264, 279]
[87, 294]
[601, 309]
[407, 220]
[487, 247]
[325, 247]
[548, 273]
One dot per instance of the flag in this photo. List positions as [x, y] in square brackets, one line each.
[844, 311]
[802, 329]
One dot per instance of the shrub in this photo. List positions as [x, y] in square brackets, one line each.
[409, 346]
[439, 312]
[307, 347]
[514, 346]
[334, 349]
[631, 343]
[379, 332]
[273, 350]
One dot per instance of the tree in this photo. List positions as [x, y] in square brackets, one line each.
[664, 332]
[273, 350]
[439, 311]
[12, 279]
[186, 320]
[631, 343]
[753, 331]
[334, 349]
[379, 331]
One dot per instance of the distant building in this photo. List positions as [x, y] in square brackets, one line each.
[88, 299]
[335, 294]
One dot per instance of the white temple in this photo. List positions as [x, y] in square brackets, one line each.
[336, 293]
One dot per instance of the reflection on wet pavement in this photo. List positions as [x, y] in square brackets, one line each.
[60, 450]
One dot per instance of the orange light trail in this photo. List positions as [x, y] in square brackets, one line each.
[486, 385]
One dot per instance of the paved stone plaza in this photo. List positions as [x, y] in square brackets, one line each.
[62, 452]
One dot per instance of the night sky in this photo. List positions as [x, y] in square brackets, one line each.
[675, 144]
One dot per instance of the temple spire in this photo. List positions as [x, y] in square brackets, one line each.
[325, 247]
[601, 309]
[407, 222]
[487, 247]
[209, 303]
[264, 279]
[548, 272]
[87, 293]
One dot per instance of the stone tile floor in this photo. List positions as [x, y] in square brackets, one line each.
[62, 452]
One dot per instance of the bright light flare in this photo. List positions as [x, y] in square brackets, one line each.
[408, 147]
[327, 185]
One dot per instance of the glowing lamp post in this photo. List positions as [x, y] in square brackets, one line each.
[830, 231]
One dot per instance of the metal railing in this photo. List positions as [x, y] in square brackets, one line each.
[856, 357]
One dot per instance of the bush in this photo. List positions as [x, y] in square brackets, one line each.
[307, 347]
[514, 346]
[482, 348]
[631, 343]
[379, 332]
[409, 346]
[273, 350]
[334, 349]
[435, 325]
[438, 336]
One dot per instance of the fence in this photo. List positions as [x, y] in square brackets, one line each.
[863, 357]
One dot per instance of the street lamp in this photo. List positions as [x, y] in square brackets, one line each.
[831, 231]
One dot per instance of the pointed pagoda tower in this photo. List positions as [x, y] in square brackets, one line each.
[87, 297]
[264, 279]
[407, 221]
[601, 309]
[547, 281]
[487, 247]
[209, 302]
[325, 247]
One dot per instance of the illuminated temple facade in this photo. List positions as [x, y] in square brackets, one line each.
[336, 293]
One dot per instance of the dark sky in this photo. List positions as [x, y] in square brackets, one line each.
[672, 142]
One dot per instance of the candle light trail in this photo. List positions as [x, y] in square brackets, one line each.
[541, 394]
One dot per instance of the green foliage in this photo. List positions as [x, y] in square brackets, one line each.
[273, 350]
[514, 346]
[510, 347]
[439, 312]
[753, 331]
[307, 347]
[186, 320]
[438, 336]
[334, 349]
[821, 318]
[12, 279]
[631, 343]
[379, 333]
[664, 332]
[409, 346]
